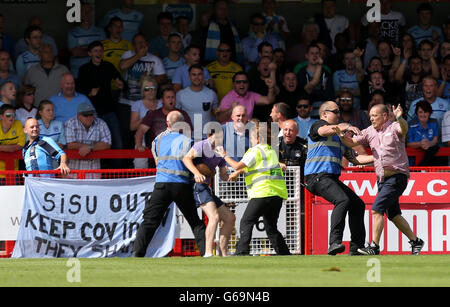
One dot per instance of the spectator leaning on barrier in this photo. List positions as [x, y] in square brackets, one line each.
[387, 142]
[86, 133]
[40, 152]
[48, 126]
[172, 184]
[12, 137]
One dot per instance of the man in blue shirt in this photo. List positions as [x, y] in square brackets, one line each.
[33, 37]
[40, 152]
[172, 184]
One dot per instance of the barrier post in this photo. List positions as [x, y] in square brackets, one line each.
[308, 222]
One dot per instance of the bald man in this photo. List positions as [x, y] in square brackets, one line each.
[387, 142]
[322, 170]
[172, 185]
[236, 138]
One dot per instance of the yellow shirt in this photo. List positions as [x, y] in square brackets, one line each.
[222, 76]
[14, 136]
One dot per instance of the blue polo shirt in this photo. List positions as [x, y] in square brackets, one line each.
[417, 133]
[65, 109]
[39, 155]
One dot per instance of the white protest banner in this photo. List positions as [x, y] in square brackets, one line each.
[67, 218]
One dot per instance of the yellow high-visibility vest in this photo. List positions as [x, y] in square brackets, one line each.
[265, 178]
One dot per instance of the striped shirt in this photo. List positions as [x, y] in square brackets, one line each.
[76, 133]
[25, 61]
[54, 131]
[40, 153]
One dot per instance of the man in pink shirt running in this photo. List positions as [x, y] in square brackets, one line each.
[387, 142]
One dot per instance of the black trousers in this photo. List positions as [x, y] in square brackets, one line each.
[269, 208]
[345, 201]
[163, 195]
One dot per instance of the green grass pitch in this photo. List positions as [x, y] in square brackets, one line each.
[257, 271]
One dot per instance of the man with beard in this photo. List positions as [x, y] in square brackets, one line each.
[439, 105]
[266, 70]
[155, 122]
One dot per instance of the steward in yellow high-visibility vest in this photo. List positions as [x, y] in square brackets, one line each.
[266, 189]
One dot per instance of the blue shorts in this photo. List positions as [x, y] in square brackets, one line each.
[389, 192]
[203, 194]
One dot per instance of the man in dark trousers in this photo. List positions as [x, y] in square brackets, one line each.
[172, 185]
[322, 170]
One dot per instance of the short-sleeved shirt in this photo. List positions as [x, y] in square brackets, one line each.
[25, 61]
[171, 66]
[204, 153]
[181, 76]
[39, 155]
[439, 106]
[157, 123]
[223, 76]
[78, 37]
[420, 34]
[66, 109]
[149, 64]
[417, 133]
[14, 136]
[248, 101]
[131, 22]
[54, 131]
[388, 148]
[113, 51]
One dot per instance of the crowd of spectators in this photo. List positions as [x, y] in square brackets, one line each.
[119, 84]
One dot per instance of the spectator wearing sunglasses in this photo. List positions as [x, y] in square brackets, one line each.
[304, 120]
[12, 137]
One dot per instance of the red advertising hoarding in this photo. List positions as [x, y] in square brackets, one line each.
[425, 205]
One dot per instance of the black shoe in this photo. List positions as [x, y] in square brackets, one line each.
[416, 246]
[336, 248]
[371, 249]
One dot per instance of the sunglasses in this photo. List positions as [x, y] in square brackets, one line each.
[148, 88]
[29, 94]
[302, 106]
[224, 50]
[336, 111]
[345, 99]
[9, 115]
[241, 81]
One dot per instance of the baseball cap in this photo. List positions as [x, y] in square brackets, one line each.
[86, 108]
